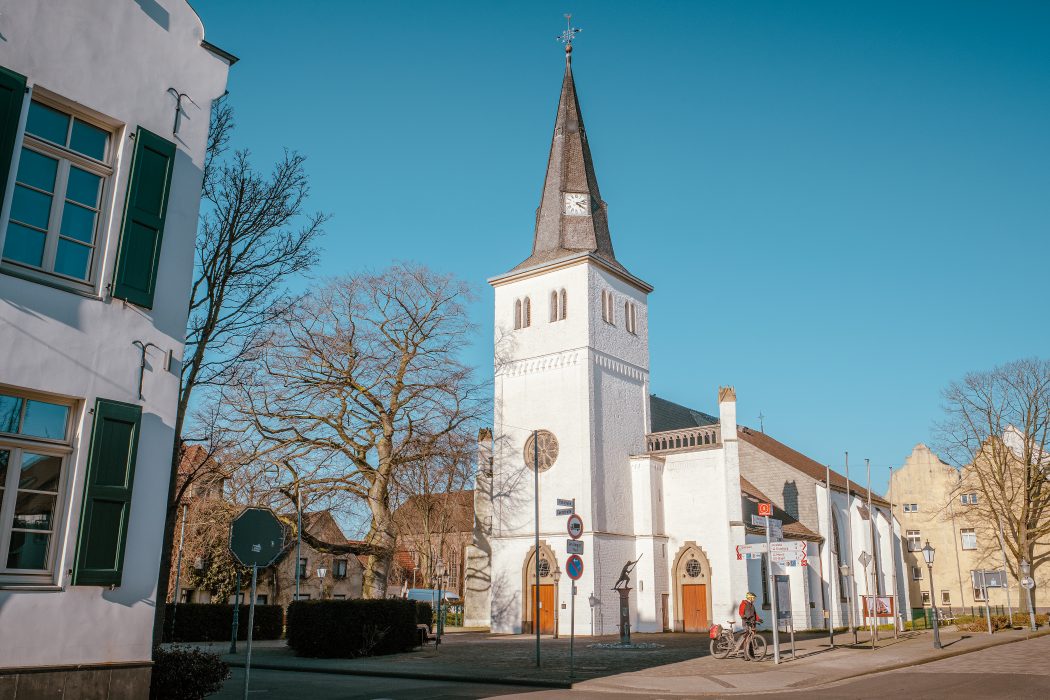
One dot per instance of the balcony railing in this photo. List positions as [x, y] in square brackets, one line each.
[682, 440]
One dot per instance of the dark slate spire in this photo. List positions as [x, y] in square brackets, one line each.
[570, 170]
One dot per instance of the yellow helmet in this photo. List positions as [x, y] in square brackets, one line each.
[750, 596]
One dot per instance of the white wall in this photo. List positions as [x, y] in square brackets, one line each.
[115, 59]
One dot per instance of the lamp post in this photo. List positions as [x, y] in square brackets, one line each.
[320, 575]
[1026, 571]
[557, 577]
[928, 553]
[439, 574]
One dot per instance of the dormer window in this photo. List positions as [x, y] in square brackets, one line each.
[559, 301]
[608, 307]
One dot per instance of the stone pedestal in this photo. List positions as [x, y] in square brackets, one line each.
[625, 615]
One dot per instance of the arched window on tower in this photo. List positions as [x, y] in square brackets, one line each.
[630, 317]
[608, 307]
[554, 306]
[564, 304]
[558, 302]
[526, 313]
[517, 314]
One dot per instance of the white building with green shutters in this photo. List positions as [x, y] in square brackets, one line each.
[99, 197]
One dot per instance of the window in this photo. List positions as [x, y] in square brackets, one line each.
[946, 598]
[911, 507]
[339, 596]
[559, 301]
[184, 596]
[969, 538]
[302, 596]
[916, 573]
[630, 318]
[925, 597]
[608, 307]
[303, 570]
[262, 598]
[60, 181]
[978, 593]
[522, 313]
[340, 568]
[914, 541]
[969, 499]
[517, 314]
[34, 451]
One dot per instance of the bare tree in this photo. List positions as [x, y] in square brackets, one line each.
[996, 430]
[254, 235]
[362, 380]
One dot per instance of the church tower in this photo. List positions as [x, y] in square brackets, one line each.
[572, 369]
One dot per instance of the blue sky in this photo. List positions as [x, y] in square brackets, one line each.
[842, 206]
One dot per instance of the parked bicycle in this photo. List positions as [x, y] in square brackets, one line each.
[725, 643]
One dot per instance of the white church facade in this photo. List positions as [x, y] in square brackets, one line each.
[671, 487]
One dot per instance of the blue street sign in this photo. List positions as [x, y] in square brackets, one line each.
[574, 567]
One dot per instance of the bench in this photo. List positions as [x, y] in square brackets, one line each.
[424, 634]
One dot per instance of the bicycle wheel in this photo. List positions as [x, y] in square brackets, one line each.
[756, 648]
[721, 646]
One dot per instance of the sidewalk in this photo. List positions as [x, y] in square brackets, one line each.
[816, 664]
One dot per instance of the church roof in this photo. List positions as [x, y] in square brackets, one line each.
[570, 169]
[666, 415]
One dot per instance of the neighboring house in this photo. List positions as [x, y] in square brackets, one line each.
[432, 526]
[99, 202]
[655, 482]
[933, 503]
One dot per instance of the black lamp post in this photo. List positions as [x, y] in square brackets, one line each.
[439, 573]
[557, 597]
[1026, 571]
[928, 553]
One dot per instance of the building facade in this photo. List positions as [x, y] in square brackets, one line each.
[935, 505]
[656, 483]
[98, 216]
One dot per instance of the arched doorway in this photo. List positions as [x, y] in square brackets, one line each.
[548, 594]
[692, 589]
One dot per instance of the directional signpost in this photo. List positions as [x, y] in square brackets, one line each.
[573, 567]
[566, 506]
[256, 539]
[763, 520]
[776, 531]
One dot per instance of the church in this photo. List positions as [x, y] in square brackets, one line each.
[669, 486]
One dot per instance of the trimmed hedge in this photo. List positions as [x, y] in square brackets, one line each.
[349, 628]
[425, 614]
[211, 622]
[186, 674]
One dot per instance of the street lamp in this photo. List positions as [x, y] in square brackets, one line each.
[557, 577]
[1026, 572]
[439, 573]
[320, 575]
[844, 570]
[928, 553]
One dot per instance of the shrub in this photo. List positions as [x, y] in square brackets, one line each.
[186, 674]
[425, 614]
[211, 622]
[349, 628]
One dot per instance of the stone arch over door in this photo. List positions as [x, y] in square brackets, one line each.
[691, 574]
[548, 589]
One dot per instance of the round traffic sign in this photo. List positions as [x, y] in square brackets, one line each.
[575, 526]
[574, 567]
[256, 537]
[1028, 582]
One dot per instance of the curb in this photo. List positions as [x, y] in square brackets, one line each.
[422, 676]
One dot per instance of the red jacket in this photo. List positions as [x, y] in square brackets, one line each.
[748, 613]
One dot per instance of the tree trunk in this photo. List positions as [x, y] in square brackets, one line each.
[170, 517]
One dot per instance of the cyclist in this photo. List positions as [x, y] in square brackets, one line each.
[748, 613]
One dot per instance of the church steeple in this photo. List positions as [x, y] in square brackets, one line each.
[571, 218]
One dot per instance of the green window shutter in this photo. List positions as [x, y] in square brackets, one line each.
[135, 279]
[107, 494]
[12, 94]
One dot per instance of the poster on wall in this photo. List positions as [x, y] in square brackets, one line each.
[884, 605]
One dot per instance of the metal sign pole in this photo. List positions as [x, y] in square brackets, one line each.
[178, 573]
[536, 494]
[298, 537]
[832, 563]
[849, 553]
[773, 595]
[572, 633]
[251, 625]
[1006, 570]
[236, 614]
[987, 601]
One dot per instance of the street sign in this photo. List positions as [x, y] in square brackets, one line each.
[1028, 582]
[791, 547]
[746, 550]
[256, 537]
[776, 527]
[574, 567]
[789, 559]
[566, 502]
[765, 509]
[564, 511]
[864, 559]
[988, 579]
[575, 526]
[574, 546]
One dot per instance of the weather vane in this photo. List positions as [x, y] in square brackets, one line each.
[569, 34]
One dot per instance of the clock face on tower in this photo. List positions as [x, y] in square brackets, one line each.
[577, 204]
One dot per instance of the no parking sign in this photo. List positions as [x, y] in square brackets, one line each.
[574, 567]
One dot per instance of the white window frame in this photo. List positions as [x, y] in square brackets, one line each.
[979, 596]
[17, 444]
[963, 532]
[913, 537]
[916, 573]
[946, 597]
[924, 596]
[66, 157]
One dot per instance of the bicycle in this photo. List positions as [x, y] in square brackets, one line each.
[725, 643]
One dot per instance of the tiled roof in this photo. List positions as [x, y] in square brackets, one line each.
[667, 415]
[799, 461]
[448, 512]
[793, 529]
